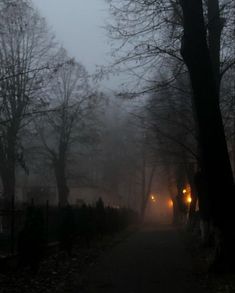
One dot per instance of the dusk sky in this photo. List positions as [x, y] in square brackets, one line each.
[79, 27]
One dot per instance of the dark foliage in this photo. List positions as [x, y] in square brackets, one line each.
[47, 229]
[66, 233]
[31, 239]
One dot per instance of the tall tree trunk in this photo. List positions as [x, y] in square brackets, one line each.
[8, 165]
[146, 185]
[61, 181]
[143, 189]
[215, 27]
[7, 169]
[233, 143]
[212, 140]
[8, 182]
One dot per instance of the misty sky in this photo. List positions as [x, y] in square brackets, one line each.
[78, 26]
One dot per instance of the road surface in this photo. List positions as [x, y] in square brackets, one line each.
[152, 260]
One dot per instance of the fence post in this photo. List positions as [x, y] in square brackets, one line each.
[12, 239]
[47, 221]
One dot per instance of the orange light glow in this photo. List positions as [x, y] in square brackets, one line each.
[189, 199]
[153, 198]
[184, 191]
[170, 203]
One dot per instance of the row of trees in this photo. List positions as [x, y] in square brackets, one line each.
[52, 121]
[56, 128]
[170, 45]
[47, 105]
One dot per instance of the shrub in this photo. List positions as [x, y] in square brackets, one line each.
[31, 240]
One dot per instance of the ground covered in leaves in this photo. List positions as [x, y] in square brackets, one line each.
[60, 273]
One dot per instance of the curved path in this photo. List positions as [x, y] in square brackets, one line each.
[152, 260]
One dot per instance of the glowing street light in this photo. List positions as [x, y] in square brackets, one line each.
[189, 199]
[184, 191]
[170, 203]
[153, 198]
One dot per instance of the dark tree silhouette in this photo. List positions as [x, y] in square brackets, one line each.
[214, 155]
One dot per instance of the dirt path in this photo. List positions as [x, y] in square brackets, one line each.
[150, 260]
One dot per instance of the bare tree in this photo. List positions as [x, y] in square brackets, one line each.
[214, 153]
[25, 49]
[148, 34]
[69, 123]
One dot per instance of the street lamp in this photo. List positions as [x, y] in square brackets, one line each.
[189, 199]
[153, 198]
[170, 203]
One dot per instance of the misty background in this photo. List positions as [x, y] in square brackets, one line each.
[113, 114]
[80, 26]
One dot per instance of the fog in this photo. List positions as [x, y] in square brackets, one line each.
[80, 26]
[117, 131]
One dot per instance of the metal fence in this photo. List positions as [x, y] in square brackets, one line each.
[86, 222]
[12, 222]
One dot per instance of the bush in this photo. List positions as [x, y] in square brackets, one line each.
[66, 229]
[100, 218]
[31, 239]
